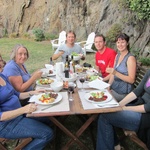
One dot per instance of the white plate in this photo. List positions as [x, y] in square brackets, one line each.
[35, 99]
[44, 85]
[109, 97]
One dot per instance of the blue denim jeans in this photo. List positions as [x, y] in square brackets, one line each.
[22, 127]
[106, 122]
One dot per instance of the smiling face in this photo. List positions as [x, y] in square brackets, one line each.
[21, 55]
[99, 43]
[121, 45]
[70, 38]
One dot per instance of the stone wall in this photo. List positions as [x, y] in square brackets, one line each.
[82, 16]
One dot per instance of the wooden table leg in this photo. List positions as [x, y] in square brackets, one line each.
[67, 132]
[83, 128]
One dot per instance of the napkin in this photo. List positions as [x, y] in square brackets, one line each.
[98, 84]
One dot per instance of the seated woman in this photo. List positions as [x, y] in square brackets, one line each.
[124, 71]
[130, 118]
[14, 124]
[17, 73]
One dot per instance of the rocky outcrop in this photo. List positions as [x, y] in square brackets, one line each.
[82, 16]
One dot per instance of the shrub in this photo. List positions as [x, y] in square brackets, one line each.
[39, 34]
[49, 36]
[5, 33]
[13, 35]
[141, 7]
[145, 61]
[112, 34]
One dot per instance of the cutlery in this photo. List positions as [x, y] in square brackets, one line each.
[107, 105]
[48, 106]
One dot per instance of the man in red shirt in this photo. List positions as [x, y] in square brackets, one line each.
[104, 56]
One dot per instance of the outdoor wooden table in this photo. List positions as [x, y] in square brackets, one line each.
[75, 109]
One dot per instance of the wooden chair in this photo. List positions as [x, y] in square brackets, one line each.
[20, 143]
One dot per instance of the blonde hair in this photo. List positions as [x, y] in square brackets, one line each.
[15, 50]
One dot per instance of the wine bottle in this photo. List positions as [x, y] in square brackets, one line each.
[73, 63]
[66, 68]
[51, 61]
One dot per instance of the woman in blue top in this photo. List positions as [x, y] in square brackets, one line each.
[16, 71]
[124, 71]
[13, 124]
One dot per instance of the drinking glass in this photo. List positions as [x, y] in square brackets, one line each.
[70, 91]
[82, 80]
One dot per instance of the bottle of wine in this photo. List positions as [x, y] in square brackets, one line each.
[66, 68]
[51, 61]
[73, 63]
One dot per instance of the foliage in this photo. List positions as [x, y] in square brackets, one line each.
[135, 52]
[13, 35]
[49, 36]
[5, 32]
[25, 35]
[39, 34]
[145, 61]
[112, 33]
[141, 7]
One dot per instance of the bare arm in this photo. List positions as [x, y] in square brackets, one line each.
[17, 112]
[131, 65]
[18, 84]
[56, 56]
[129, 98]
[139, 108]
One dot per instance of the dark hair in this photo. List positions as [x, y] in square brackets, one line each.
[70, 31]
[125, 37]
[100, 35]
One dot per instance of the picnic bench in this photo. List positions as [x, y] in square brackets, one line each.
[131, 134]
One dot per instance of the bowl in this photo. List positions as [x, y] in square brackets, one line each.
[48, 66]
[56, 86]
[90, 72]
[76, 58]
[72, 78]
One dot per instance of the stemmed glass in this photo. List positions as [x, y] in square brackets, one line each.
[82, 80]
[70, 91]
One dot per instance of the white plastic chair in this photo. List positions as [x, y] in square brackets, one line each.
[61, 40]
[87, 47]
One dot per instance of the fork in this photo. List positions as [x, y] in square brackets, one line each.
[107, 105]
[48, 107]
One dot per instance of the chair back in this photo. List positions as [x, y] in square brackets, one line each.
[62, 38]
[90, 40]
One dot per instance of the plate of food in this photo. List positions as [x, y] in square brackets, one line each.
[98, 97]
[47, 98]
[44, 81]
[76, 56]
[92, 78]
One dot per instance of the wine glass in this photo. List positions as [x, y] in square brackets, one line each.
[82, 80]
[70, 91]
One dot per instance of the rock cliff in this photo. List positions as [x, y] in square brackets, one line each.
[83, 16]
